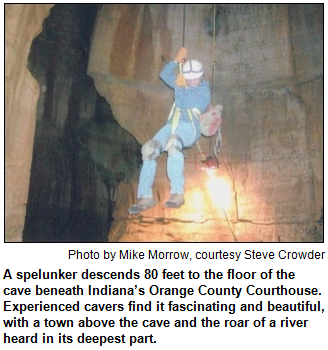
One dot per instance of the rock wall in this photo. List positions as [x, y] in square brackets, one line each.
[78, 148]
[22, 23]
[79, 153]
[268, 75]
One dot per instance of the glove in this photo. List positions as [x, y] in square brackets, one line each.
[182, 55]
[180, 80]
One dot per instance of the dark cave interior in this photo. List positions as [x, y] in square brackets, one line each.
[72, 187]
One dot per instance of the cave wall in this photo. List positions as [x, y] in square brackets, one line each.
[22, 24]
[79, 154]
[268, 76]
[69, 187]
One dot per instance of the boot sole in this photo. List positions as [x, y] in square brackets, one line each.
[135, 209]
[172, 205]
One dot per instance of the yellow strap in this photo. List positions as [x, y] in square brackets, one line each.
[171, 113]
[180, 80]
[193, 111]
[175, 120]
[174, 115]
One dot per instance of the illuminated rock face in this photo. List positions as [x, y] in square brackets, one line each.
[22, 23]
[268, 76]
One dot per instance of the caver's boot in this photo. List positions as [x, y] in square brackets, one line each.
[175, 201]
[141, 205]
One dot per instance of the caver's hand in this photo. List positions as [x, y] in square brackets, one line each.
[182, 56]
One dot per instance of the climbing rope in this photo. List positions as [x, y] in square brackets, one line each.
[184, 25]
[213, 48]
[212, 86]
[213, 65]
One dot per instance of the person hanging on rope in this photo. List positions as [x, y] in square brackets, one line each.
[181, 131]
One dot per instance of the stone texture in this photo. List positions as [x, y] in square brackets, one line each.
[80, 152]
[22, 23]
[268, 76]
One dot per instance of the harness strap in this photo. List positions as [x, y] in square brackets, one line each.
[218, 143]
[175, 116]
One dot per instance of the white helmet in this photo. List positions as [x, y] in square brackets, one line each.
[192, 69]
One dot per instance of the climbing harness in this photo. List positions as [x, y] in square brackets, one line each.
[210, 121]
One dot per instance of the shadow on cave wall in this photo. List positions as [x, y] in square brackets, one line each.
[80, 152]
